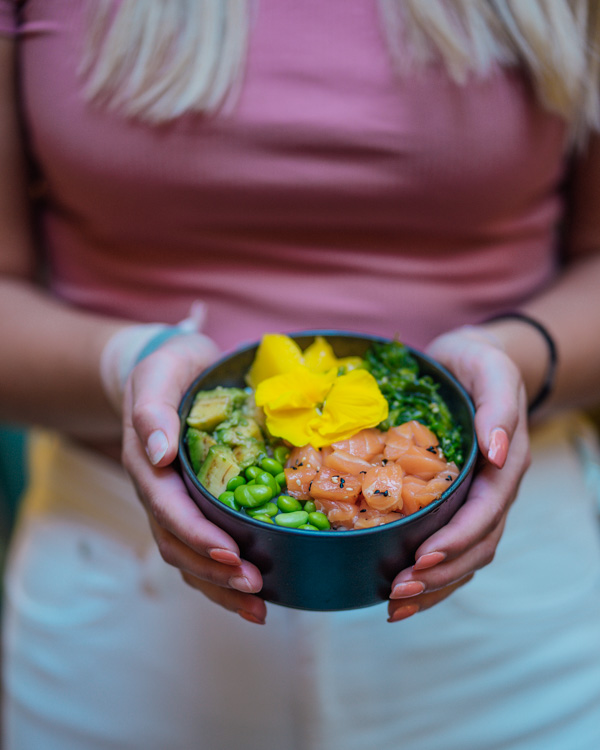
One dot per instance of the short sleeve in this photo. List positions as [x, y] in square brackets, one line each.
[8, 17]
[583, 232]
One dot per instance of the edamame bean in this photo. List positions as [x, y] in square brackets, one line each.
[228, 499]
[268, 480]
[308, 527]
[271, 465]
[281, 454]
[252, 471]
[252, 496]
[287, 504]
[263, 517]
[318, 519]
[280, 479]
[292, 520]
[309, 506]
[270, 509]
[235, 482]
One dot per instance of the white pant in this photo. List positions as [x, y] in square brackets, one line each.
[106, 647]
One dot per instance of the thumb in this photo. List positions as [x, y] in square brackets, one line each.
[155, 389]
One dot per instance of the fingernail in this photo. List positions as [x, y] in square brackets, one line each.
[409, 588]
[225, 556]
[498, 448]
[250, 617]
[403, 612]
[241, 583]
[429, 560]
[157, 446]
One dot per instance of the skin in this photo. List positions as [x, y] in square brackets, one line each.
[501, 365]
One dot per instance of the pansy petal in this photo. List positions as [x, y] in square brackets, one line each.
[276, 354]
[319, 356]
[353, 403]
[299, 388]
[293, 425]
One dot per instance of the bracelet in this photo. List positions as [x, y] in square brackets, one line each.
[157, 341]
[550, 376]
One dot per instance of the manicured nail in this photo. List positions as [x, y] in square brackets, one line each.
[225, 556]
[498, 449]
[429, 560]
[241, 583]
[157, 446]
[403, 612]
[409, 588]
[249, 617]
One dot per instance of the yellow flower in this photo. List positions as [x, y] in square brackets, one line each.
[278, 354]
[304, 407]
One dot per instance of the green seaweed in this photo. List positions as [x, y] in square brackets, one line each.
[413, 396]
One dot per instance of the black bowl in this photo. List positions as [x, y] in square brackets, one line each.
[331, 570]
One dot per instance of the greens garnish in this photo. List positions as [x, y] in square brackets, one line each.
[412, 396]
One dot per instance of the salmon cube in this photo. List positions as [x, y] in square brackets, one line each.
[334, 485]
[382, 487]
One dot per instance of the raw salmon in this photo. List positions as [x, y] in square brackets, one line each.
[333, 485]
[382, 487]
[340, 460]
[365, 444]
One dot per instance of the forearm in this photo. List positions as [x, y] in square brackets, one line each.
[49, 371]
[570, 310]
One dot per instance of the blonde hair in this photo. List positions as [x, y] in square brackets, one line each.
[157, 59]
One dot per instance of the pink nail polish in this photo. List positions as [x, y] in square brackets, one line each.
[429, 560]
[249, 617]
[498, 448]
[403, 612]
[408, 588]
[225, 556]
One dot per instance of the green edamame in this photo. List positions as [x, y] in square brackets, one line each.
[228, 499]
[263, 477]
[292, 520]
[318, 519]
[287, 504]
[271, 465]
[263, 517]
[280, 479]
[251, 496]
[308, 527]
[281, 454]
[270, 509]
[235, 482]
[309, 506]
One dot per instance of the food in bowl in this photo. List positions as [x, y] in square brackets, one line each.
[334, 569]
[315, 442]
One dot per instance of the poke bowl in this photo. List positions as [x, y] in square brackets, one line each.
[315, 553]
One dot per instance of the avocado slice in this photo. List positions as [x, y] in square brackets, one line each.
[248, 453]
[198, 444]
[210, 408]
[218, 468]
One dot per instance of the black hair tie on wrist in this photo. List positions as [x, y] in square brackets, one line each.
[550, 376]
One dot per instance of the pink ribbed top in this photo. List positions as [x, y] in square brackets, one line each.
[336, 195]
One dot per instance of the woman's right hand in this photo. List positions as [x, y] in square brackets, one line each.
[208, 558]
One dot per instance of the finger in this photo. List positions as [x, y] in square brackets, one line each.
[401, 610]
[249, 607]
[494, 383]
[157, 385]
[410, 582]
[243, 577]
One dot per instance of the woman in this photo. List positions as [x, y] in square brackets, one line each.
[397, 168]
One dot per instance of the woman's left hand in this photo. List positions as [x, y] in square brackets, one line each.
[451, 556]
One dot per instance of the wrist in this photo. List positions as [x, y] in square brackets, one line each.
[532, 348]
